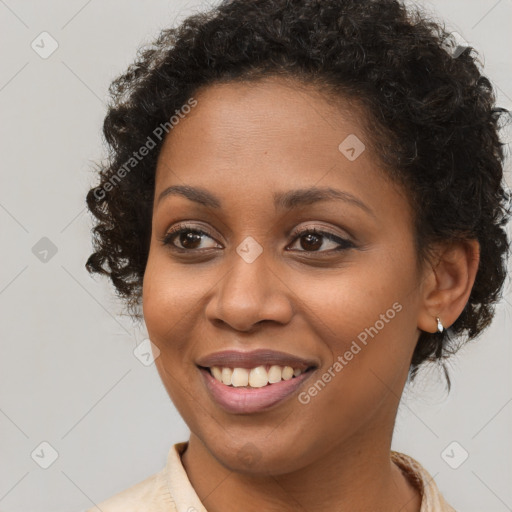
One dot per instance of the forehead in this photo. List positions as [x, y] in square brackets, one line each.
[235, 125]
[252, 139]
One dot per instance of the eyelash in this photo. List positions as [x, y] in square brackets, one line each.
[344, 244]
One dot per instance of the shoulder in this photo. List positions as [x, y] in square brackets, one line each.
[432, 499]
[149, 495]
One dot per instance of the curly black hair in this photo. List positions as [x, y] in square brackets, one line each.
[430, 117]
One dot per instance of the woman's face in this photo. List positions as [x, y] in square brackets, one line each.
[345, 300]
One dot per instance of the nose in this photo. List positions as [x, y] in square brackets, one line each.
[250, 293]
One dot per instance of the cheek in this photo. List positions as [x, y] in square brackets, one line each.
[343, 304]
[365, 318]
[164, 305]
[169, 293]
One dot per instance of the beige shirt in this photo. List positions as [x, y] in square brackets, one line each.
[170, 490]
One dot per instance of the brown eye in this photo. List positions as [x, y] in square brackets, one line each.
[313, 239]
[189, 238]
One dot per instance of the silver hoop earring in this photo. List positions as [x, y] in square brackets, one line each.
[440, 327]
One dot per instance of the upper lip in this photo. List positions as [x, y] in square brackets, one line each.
[254, 358]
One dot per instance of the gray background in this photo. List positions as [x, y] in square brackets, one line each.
[68, 373]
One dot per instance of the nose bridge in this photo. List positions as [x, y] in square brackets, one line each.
[249, 264]
[250, 291]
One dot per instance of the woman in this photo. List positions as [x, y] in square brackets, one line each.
[306, 197]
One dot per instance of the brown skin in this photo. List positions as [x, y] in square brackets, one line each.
[243, 143]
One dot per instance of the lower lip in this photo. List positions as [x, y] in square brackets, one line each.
[246, 400]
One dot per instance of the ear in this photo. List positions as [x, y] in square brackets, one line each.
[447, 284]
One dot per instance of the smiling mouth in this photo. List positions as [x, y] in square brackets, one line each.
[256, 396]
[253, 378]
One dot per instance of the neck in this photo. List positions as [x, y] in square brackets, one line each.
[352, 476]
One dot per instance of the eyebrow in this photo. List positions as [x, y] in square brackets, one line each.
[282, 200]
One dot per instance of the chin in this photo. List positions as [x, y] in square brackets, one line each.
[257, 458]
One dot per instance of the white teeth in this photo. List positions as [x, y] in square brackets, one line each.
[226, 376]
[287, 372]
[240, 377]
[257, 377]
[217, 373]
[274, 373]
